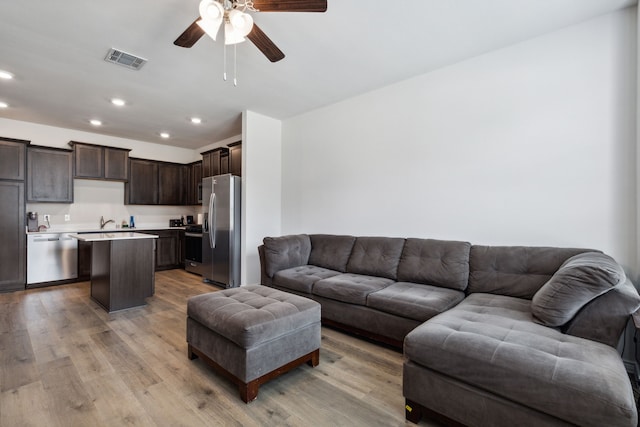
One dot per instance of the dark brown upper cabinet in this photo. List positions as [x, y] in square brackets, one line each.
[172, 184]
[211, 159]
[194, 186]
[142, 187]
[12, 158]
[235, 158]
[100, 162]
[49, 175]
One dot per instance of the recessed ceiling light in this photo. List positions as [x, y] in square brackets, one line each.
[5, 75]
[164, 134]
[117, 101]
[4, 105]
[95, 122]
[196, 120]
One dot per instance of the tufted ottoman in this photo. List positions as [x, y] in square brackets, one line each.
[252, 334]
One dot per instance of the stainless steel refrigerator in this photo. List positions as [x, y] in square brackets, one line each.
[221, 230]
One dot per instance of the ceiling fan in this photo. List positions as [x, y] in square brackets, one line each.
[238, 24]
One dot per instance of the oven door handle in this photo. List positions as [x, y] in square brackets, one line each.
[193, 235]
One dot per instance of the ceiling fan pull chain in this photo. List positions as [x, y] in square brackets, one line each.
[235, 65]
[224, 62]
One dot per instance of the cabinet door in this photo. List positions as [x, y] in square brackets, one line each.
[171, 184]
[89, 161]
[84, 260]
[142, 187]
[116, 164]
[235, 160]
[206, 165]
[196, 182]
[12, 236]
[224, 164]
[49, 175]
[166, 249]
[12, 155]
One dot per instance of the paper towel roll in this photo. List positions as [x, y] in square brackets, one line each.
[199, 219]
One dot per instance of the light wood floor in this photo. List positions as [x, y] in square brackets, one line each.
[66, 362]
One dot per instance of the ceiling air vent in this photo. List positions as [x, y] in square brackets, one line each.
[125, 59]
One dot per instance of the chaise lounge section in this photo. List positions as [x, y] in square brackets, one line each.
[492, 335]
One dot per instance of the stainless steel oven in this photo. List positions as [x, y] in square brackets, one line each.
[193, 248]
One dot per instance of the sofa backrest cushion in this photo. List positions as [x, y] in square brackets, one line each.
[376, 256]
[285, 252]
[435, 262]
[517, 271]
[579, 279]
[329, 251]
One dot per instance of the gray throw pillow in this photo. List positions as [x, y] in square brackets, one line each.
[580, 279]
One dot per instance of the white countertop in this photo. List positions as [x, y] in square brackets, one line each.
[123, 235]
[83, 230]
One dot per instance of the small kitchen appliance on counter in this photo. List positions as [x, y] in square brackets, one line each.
[32, 221]
[175, 223]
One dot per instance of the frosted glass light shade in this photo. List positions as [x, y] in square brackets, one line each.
[241, 22]
[211, 13]
[231, 35]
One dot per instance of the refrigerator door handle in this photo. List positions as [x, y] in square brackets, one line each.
[212, 220]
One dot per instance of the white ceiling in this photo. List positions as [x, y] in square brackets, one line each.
[56, 51]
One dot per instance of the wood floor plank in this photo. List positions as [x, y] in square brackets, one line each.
[68, 399]
[29, 399]
[71, 363]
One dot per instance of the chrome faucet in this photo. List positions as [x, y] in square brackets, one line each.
[103, 222]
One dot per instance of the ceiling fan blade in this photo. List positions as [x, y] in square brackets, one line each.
[190, 36]
[290, 5]
[264, 43]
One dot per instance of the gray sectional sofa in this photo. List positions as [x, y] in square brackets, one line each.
[492, 336]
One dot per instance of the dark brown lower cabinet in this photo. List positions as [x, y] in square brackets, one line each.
[168, 249]
[12, 236]
[84, 260]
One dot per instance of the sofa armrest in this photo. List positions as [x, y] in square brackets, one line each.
[604, 318]
[264, 278]
[281, 253]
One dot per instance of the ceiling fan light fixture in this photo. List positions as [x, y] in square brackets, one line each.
[231, 35]
[212, 14]
[242, 22]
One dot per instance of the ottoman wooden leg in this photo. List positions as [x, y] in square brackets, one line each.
[249, 391]
[315, 359]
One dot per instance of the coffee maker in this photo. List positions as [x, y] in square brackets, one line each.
[32, 221]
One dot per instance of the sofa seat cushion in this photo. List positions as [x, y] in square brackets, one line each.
[349, 287]
[413, 300]
[491, 342]
[302, 278]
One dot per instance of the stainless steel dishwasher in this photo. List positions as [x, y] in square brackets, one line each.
[51, 257]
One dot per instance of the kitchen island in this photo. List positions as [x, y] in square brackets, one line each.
[122, 268]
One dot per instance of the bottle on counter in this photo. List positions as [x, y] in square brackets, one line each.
[182, 220]
[132, 222]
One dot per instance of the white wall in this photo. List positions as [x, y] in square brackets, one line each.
[261, 188]
[533, 144]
